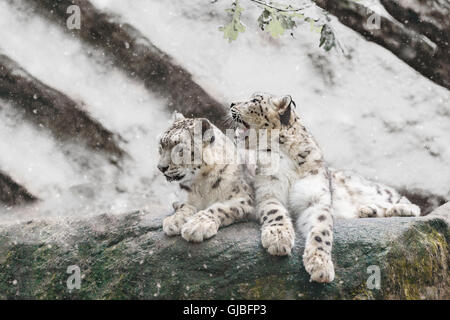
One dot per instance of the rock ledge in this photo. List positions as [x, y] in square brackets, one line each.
[128, 257]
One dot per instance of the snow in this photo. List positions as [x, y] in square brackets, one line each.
[370, 112]
[47, 158]
[120, 104]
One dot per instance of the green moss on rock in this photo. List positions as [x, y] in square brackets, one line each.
[417, 264]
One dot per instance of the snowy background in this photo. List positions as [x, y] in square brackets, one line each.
[370, 112]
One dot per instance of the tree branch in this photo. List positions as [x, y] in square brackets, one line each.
[263, 3]
[428, 17]
[11, 193]
[54, 110]
[406, 44]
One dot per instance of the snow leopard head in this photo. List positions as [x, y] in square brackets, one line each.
[180, 147]
[263, 111]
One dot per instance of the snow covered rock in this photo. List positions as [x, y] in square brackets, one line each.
[128, 257]
[12, 193]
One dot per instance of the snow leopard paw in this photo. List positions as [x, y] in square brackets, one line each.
[278, 240]
[199, 228]
[318, 264]
[172, 225]
[317, 255]
[369, 211]
[403, 210]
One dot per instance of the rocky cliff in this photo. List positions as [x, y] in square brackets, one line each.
[128, 257]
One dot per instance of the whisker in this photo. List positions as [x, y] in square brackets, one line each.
[227, 120]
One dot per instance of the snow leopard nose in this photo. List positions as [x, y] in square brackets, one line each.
[163, 168]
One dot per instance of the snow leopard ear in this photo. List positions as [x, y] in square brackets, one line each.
[283, 104]
[177, 116]
[207, 131]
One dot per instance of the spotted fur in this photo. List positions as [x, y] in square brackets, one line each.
[304, 190]
[219, 193]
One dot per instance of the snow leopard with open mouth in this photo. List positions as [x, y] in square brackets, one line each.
[206, 165]
[304, 189]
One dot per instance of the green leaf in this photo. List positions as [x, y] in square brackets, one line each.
[276, 22]
[231, 30]
[275, 19]
[327, 38]
[275, 28]
[264, 18]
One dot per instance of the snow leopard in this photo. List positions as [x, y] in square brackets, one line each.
[304, 191]
[219, 188]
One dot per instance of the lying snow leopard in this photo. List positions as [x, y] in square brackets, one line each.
[305, 190]
[219, 191]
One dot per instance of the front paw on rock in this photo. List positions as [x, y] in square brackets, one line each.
[198, 229]
[319, 265]
[278, 240]
[172, 226]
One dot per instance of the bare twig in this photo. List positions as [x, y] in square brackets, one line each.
[263, 3]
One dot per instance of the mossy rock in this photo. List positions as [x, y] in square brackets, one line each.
[128, 257]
